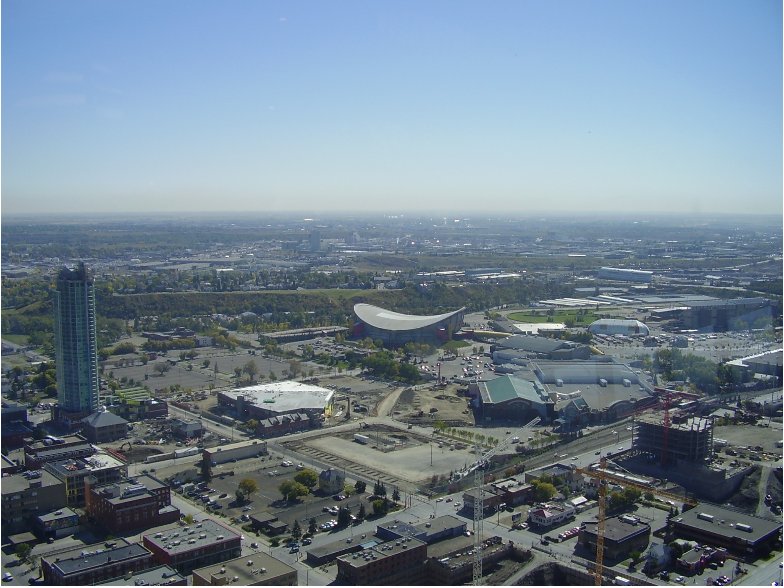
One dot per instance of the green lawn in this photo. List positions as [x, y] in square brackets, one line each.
[18, 339]
[584, 318]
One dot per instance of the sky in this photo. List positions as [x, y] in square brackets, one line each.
[408, 105]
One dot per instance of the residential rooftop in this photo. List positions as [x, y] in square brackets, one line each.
[182, 539]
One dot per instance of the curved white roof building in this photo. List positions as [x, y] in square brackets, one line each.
[618, 327]
[396, 329]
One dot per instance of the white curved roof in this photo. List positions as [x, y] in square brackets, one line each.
[388, 320]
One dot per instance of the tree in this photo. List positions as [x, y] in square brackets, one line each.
[359, 486]
[312, 526]
[296, 530]
[188, 519]
[343, 517]
[292, 490]
[395, 495]
[23, 551]
[307, 478]
[161, 367]
[380, 506]
[251, 369]
[543, 490]
[206, 469]
[362, 513]
[245, 488]
[379, 488]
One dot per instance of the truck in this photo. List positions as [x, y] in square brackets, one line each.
[363, 439]
[621, 581]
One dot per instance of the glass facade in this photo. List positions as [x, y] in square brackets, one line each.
[75, 340]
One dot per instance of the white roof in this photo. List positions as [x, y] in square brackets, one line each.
[395, 321]
[285, 396]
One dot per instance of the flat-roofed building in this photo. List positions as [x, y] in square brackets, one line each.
[130, 505]
[235, 451]
[157, 576]
[53, 448]
[195, 546]
[264, 401]
[102, 466]
[723, 527]
[259, 569]
[28, 495]
[622, 535]
[394, 563]
[95, 563]
[58, 523]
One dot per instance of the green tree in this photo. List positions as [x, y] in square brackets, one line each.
[380, 506]
[396, 495]
[206, 469]
[245, 488]
[292, 490]
[23, 551]
[360, 486]
[362, 513]
[251, 369]
[307, 478]
[543, 490]
[296, 530]
[343, 517]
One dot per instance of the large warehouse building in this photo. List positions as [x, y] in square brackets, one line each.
[265, 401]
[395, 329]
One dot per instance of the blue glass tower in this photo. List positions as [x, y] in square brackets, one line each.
[75, 341]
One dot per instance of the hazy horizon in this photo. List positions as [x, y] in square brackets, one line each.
[427, 108]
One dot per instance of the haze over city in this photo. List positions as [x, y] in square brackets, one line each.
[452, 106]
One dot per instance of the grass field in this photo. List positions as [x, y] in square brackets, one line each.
[579, 317]
[18, 339]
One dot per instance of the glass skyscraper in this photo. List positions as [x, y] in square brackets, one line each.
[75, 341]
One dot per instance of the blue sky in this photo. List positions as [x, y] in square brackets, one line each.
[519, 106]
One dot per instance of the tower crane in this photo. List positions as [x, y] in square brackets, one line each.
[479, 499]
[605, 477]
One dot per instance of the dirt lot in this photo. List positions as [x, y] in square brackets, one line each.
[429, 402]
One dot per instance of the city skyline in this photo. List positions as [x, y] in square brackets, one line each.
[672, 107]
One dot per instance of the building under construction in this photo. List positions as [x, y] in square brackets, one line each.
[689, 440]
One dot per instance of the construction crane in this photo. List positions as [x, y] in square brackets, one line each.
[606, 477]
[479, 498]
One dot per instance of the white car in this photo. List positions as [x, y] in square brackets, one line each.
[7, 577]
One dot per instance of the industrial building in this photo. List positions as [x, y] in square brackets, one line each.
[622, 535]
[624, 275]
[188, 548]
[630, 328]
[264, 401]
[59, 523]
[740, 533]
[510, 399]
[395, 329]
[689, 440]
[259, 569]
[726, 315]
[592, 391]
[437, 529]
[526, 346]
[235, 451]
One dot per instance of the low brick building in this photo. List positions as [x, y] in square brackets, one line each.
[258, 569]
[95, 563]
[130, 505]
[200, 544]
[622, 535]
[394, 563]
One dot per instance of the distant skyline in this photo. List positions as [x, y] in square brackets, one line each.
[525, 106]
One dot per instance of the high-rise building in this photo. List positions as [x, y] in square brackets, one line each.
[75, 341]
